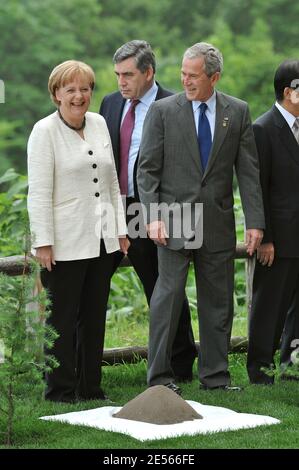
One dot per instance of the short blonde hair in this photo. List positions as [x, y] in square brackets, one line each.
[66, 72]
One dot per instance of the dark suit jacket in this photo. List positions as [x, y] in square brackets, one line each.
[170, 168]
[111, 109]
[279, 169]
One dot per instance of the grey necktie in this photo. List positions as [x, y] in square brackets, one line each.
[295, 129]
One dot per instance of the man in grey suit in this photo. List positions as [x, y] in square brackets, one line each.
[191, 143]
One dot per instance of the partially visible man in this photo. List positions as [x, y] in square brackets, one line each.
[125, 112]
[191, 143]
[276, 276]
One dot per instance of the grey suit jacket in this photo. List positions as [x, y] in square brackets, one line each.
[170, 168]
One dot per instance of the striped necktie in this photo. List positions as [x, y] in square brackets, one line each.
[295, 129]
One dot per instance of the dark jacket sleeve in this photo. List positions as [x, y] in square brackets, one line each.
[264, 153]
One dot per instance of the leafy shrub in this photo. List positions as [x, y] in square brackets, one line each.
[23, 333]
[13, 213]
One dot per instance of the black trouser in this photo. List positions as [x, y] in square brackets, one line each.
[78, 310]
[291, 331]
[273, 291]
[143, 256]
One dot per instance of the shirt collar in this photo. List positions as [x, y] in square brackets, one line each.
[290, 118]
[149, 96]
[211, 103]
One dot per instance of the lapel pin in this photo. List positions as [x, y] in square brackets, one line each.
[225, 121]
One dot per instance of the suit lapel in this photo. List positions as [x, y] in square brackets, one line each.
[222, 125]
[160, 93]
[118, 110]
[186, 124]
[286, 135]
[113, 115]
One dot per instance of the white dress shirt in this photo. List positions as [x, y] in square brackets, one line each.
[290, 118]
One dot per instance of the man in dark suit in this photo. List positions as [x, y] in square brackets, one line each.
[191, 144]
[276, 276]
[135, 69]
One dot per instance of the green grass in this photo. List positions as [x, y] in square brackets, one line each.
[122, 332]
[124, 382]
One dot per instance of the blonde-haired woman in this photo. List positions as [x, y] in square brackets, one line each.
[77, 221]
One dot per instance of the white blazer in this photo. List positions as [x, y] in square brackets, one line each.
[73, 197]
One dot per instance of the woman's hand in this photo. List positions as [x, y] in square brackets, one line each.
[124, 243]
[45, 257]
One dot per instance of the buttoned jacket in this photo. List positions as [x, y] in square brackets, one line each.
[73, 197]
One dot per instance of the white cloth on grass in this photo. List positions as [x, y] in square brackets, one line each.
[215, 419]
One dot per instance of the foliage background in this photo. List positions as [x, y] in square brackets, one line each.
[254, 36]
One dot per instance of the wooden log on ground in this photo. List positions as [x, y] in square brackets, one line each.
[14, 265]
[238, 344]
[126, 355]
[134, 354]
